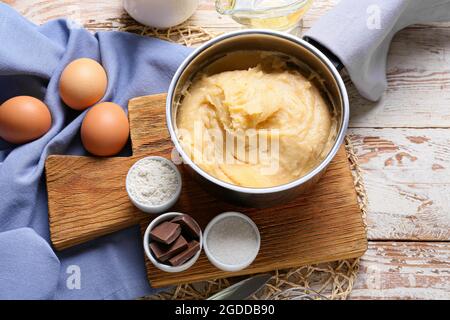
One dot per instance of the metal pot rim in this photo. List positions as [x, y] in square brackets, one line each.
[323, 164]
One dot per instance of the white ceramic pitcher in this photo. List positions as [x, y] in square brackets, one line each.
[160, 13]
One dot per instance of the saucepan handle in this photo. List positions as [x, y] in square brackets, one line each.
[330, 55]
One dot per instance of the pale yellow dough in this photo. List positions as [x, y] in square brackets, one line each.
[278, 104]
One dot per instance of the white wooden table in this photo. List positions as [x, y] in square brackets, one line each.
[402, 142]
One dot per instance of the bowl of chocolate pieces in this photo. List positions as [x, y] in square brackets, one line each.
[173, 242]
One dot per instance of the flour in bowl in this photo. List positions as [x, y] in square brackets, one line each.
[152, 182]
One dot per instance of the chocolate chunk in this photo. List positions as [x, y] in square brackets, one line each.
[165, 232]
[164, 252]
[188, 225]
[184, 256]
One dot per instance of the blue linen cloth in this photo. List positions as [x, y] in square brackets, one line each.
[31, 61]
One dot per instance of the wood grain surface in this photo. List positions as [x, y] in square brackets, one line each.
[404, 270]
[325, 225]
[407, 177]
[417, 98]
[87, 198]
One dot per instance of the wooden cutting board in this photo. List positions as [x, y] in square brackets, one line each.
[87, 199]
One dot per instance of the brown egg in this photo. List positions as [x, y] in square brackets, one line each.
[83, 83]
[105, 129]
[23, 119]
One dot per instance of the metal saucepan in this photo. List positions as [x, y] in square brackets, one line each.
[260, 40]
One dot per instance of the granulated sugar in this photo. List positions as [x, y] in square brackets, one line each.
[152, 182]
[232, 241]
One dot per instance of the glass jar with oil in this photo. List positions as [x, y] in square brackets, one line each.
[283, 15]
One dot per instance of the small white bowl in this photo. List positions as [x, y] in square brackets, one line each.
[212, 258]
[164, 206]
[165, 267]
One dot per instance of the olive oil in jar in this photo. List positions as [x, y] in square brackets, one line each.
[282, 15]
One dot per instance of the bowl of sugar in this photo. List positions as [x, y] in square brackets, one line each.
[231, 241]
[153, 184]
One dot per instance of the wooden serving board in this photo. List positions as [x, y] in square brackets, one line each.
[87, 199]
